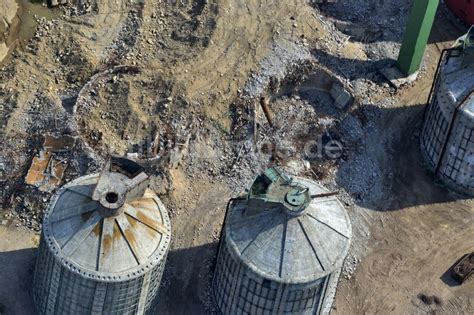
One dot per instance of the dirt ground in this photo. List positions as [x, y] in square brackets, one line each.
[187, 106]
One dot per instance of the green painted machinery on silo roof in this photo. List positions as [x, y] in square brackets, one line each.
[274, 189]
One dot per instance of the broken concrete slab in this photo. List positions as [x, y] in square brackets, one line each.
[342, 97]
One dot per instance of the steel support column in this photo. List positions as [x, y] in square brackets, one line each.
[416, 35]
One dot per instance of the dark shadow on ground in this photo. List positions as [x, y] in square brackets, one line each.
[16, 279]
[389, 141]
[385, 21]
[68, 103]
[185, 288]
[353, 69]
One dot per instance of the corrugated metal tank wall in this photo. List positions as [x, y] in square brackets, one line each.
[69, 293]
[447, 137]
[238, 290]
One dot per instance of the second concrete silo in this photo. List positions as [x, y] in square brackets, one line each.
[104, 245]
[447, 138]
[282, 248]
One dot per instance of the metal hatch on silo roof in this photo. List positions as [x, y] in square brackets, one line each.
[287, 240]
[104, 244]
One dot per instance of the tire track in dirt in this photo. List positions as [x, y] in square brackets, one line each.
[243, 36]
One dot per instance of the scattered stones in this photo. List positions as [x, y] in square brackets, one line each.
[350, 266]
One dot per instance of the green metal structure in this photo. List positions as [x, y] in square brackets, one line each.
[416, 35]
[274, 189]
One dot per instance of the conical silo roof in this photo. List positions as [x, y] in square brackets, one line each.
[289, 230]
[457, 77]
[108, 226]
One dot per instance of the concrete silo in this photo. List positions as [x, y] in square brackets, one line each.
[104, 244]
[282, 248]
[447, 138]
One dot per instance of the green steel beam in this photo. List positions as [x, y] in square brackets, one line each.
[416, 35]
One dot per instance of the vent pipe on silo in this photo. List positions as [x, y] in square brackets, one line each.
[103, 246]
[282, 248]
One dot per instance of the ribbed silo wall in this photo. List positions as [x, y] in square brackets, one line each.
[59, 290]
[435, 128]
[239, 290]
[447, 142]
[457, 165]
